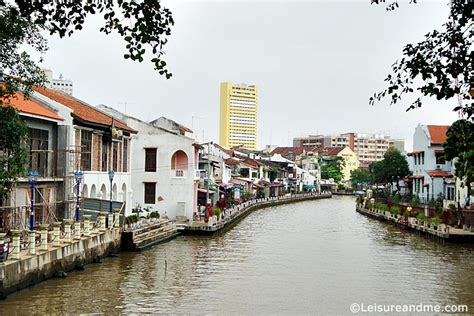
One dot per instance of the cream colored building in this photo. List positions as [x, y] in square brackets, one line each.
[238, 115]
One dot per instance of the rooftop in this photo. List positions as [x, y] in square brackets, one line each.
[81, 110]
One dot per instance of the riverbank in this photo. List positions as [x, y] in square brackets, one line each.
[238, 212]
[440, 233]
[57, 259]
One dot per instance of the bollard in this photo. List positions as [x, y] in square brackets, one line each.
[44, 237]
[32, 242]
[110, 223]
[56, 234]
[77, 230]
[87, 221]
[117, 219]
[16, 244]
[102, 216]
[67, 230]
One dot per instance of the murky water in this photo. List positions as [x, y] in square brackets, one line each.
[313, 257]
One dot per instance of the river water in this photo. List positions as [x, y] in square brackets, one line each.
[314, 257]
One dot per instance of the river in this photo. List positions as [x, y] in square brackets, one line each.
[314, 257]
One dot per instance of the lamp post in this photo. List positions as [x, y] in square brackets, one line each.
[444, 188]
[111, 178]
[32, 180]
[78, 175]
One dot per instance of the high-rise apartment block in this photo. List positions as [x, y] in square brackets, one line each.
[369, 148]
[238, 115]
[60, 84]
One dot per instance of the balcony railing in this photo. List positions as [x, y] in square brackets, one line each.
[178, 173]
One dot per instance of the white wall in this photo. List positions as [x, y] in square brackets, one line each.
[173, 190]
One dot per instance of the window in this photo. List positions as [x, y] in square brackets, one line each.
[450, 194]
[150, 192]
[125, 155]
[104, 155]
[440, 160]
[86, 150]
[150, 159]
[115, 156]
[39, 150]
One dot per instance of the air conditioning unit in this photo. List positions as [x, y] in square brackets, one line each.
[438, 167]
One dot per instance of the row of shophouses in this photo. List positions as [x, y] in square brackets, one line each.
[156, 165]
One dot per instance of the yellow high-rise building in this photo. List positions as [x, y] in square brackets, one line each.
[238, 115]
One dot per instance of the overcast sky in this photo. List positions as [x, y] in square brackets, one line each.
[315, 62]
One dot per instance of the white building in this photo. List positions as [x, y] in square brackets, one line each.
[432, 174]
[95, 143]
[164, 166]
[60, 84]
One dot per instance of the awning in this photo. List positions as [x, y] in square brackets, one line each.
[415, 153]
[439, 174]
[205, 191]
[416, 177]
[439, 152]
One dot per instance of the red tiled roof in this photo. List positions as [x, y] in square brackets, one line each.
[437, 174]
[30, 106]
[82, 110]
[284, 151]
[328, 151]
[252, 163]
[232, 162]
[437, 134]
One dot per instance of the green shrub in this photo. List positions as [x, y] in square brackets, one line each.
[131, 219]
[217, 212]
[381, 206]
[420, 217]
[416, 200]
[435, 221]
[154, 214]
[395, 210]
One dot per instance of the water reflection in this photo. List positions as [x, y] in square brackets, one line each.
[310, 257]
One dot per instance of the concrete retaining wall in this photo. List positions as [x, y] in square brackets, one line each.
[32, 269]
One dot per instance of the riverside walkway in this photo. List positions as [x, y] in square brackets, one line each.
[236, 213]
[439, 233]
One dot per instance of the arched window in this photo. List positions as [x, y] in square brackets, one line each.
[114, 192]
[103, 192]
[179, 160]
[124, 192]
[93, 191]
[85, 191]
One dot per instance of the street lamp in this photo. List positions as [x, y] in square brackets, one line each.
[111, 178]
[32, 180]
[78, 175]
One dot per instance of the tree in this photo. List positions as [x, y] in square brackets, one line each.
[443, 61]
[144, 26]
[394, 166]
[332, 168]
[459, 145]
[361, 177]
[13, 148]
